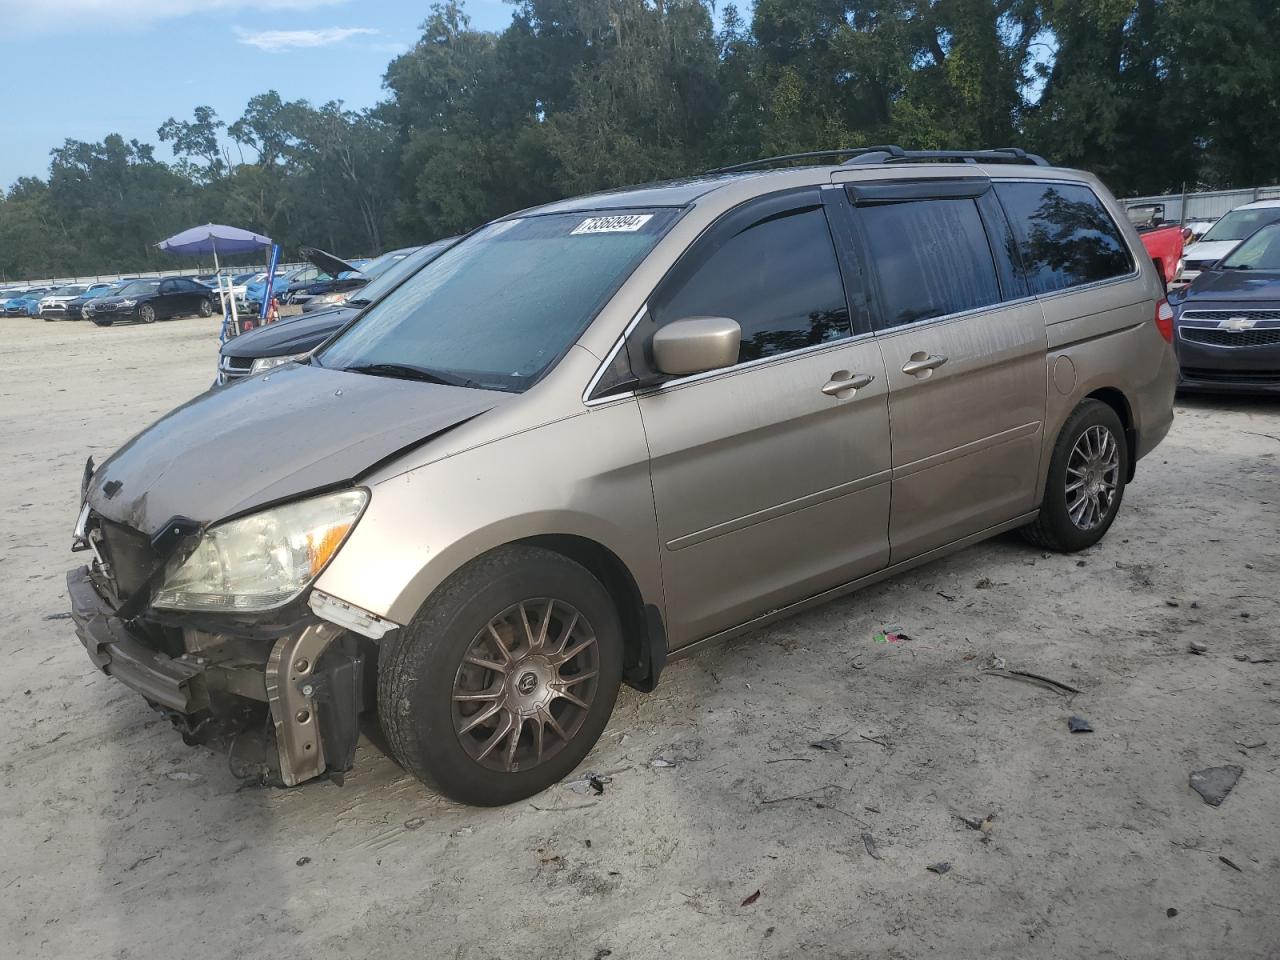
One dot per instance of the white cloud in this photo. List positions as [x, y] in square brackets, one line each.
[275, 40]
[61, 15]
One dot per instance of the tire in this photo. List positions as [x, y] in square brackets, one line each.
[146, 313]
[1064, 523]
[206, 308]
[422, 668]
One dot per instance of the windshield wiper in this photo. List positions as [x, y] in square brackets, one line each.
[404, 371]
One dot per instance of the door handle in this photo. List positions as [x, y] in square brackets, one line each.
[922, 364]
[844, 384]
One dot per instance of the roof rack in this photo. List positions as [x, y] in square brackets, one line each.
[889, 153]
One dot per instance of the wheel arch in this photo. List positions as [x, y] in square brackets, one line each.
[1117, 401]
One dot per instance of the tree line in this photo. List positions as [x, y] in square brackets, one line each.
[580, 95]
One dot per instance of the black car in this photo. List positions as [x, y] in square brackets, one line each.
[294, 337]
[149, 300]
[1227, 322]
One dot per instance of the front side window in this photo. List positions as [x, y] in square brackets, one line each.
[497, 309]
[1065, 235]
[780, 281]
[930, 258]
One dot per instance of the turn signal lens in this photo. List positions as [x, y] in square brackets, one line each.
[1164, 319]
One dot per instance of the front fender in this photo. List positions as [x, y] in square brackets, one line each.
[584, 476]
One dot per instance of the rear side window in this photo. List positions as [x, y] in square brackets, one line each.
[1065, 235]
[778, 278]
[930, 258]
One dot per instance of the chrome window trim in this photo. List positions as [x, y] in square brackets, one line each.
[959, 315]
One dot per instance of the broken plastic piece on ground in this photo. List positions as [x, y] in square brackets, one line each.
[1079, 724]
[939, 868]
[589, 783]
[1199, 647]
[661, 761]
[830, 743]
[751, 899]
[1214, 783]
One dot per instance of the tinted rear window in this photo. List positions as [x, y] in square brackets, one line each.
[1065, 235]
[930, 259]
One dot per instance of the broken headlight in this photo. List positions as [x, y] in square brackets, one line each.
[264, 560]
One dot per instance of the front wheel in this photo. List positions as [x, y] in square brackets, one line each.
[505, 679]
[206, 308]
[1086, 480]
[147, 313]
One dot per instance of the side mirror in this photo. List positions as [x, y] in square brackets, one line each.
[696, 344]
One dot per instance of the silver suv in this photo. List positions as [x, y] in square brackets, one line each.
[596, 435]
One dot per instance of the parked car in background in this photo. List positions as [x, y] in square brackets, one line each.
[351, 282]
[1164, 244]
[1227, 322]
[600, 433]
[149, 300]
[292, 338]
[1223, 236]
[337, 275]
[75, 308]
[53, 305]
[25, 304]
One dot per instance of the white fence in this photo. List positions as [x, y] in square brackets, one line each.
[197, 271]
[1203, 205]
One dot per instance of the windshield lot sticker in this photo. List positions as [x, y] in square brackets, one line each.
[626, 223]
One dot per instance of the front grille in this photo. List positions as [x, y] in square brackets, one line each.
[1215, 315]
[233, 368]
[1218, 337]
[1231, 376]
[130, 554]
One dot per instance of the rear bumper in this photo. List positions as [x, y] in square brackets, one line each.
[119, 653]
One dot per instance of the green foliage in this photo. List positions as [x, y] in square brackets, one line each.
[581, 95]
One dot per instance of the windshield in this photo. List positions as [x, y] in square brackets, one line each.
[140, 288]
[502, 305]
[1260, 252]
[1238, 224]
[387, 279]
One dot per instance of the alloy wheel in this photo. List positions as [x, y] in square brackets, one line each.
[525, 685]
[147, 313]
[1093, 475]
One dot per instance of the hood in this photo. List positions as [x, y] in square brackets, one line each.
[1237, 286]
[271, 438]
[327, 261]
[1212, 252]
[289, 335]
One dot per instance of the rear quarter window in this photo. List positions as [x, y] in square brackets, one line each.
[1064, 235]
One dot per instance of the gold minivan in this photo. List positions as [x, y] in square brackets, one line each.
[596, 435]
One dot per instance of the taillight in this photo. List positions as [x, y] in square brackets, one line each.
[1164, 319]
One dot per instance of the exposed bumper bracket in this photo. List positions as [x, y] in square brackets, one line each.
[291, 692]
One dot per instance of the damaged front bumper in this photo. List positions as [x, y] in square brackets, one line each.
[285, 708]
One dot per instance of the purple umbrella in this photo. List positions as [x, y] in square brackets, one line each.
[214, 238]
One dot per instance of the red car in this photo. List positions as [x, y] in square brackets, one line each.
[1165, 246]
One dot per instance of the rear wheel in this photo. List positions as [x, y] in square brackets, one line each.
[505, 679]
[1086, 480]
[147, 313]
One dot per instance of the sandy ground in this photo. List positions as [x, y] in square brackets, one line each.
[120, 842]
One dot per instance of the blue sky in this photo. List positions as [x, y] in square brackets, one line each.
[82, 69]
